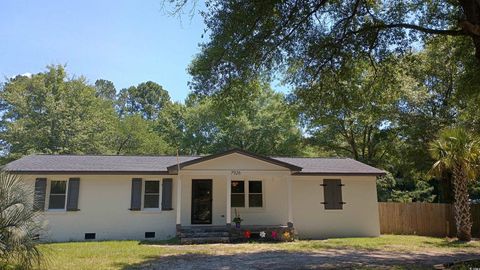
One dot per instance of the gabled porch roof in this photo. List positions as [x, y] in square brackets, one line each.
[173, 168]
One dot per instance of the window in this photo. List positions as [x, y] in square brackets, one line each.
[238, 194]
[152, 194]
[255, 197]
[332, 193]
[58, 191]
[254, 192]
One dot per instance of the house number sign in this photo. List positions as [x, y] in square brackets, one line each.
[236, 172]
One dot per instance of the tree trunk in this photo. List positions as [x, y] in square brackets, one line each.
[461, 205]
[471, 23]
[445, 188]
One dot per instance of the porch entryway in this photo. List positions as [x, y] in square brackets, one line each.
[212, 192]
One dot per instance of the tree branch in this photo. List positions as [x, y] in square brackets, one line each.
[450, 32]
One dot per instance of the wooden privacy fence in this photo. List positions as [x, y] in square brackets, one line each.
[429, 219]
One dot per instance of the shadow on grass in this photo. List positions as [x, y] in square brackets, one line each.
[328, 259]
[450, 244]
[176, 241]
[466, 265]
[172, 241]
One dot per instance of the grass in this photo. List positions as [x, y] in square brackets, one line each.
[100, 255]
[120, 254]
[389, 243]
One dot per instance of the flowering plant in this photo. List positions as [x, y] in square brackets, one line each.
[237, 219]
[247, 234]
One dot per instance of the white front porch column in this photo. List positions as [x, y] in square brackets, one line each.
[289, 201]
[179, 201]
[228, 215]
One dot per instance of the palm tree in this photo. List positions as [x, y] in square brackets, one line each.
[458, 151]
[19, 227]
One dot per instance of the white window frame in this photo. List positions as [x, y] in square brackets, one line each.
[160, 186]
[246, 194]
[245, 205]
[49, 189]
[263, 193]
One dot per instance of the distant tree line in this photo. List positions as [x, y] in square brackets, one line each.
[50, 112]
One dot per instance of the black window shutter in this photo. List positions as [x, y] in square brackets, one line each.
[72, 197]
[39, 196]
[167, 194]
[332, 192]
[338, 194]
[136, 200]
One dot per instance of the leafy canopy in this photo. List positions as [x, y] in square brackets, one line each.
[50, 113]
[303, 40]
[456, 147]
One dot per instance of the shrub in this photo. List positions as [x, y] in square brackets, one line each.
[19, 227]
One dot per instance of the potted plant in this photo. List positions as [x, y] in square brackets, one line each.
[237, 219]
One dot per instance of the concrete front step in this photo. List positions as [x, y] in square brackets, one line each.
[204, 240]
[203, 234]
[204, 229]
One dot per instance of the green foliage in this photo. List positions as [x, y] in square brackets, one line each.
[422, 192]
[18, 224]
[136, 135]
[171, 125]
[458, 151]
[105, 89]
[358, 118]
[147, 99]
[49, 113]
[385, 186]
[456, 147]
[391, 190]
[302, 41]
[200, 128]
[247, 116]
[251, 116]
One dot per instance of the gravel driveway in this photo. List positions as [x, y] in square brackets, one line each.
[321, 259]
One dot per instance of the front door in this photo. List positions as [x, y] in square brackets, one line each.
[202, 201]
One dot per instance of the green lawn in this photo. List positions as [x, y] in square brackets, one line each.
[389, 242]
[119, 254]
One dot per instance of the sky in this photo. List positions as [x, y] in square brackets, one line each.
[124, 41]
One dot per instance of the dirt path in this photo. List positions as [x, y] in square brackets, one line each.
[319, 259]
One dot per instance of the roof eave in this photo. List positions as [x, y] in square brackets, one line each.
[57, 172]
[340, 173]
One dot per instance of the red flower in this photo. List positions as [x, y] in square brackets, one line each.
[247, 234]
[274, 234]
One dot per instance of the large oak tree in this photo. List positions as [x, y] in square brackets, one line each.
[51, 113]
[301, 39]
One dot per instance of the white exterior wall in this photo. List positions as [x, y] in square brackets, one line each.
[359, 216]
[104, 202]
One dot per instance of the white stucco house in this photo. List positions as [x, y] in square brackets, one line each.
[159, 197]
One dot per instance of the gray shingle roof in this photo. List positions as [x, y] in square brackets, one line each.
[159, 164]
[331, 165]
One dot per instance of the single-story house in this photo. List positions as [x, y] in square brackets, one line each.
[155, 197]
